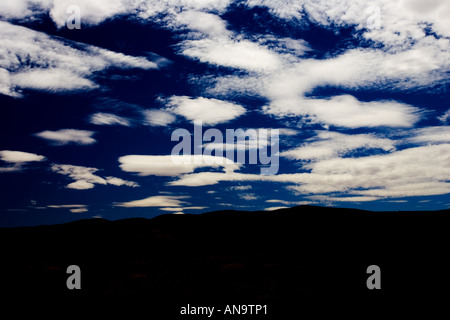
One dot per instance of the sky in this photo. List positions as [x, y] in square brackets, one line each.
[348, 100]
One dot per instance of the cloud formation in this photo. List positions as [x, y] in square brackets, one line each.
[156, 201]
[209, 111]
[158, 118]
[108, 119]
[73, 208]
[18, 159]
[66, 136]
[34, 60]
[86, 179]
[172, 166]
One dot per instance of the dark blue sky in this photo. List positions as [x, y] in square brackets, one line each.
[359, 95]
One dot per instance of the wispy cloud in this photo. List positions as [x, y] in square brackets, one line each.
[66, 136]
[86, 179]
[158, 118]
[108, 119]
[73, 208]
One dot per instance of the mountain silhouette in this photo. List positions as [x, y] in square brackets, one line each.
[279, 258]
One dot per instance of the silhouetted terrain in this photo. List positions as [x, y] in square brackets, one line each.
[287, 259]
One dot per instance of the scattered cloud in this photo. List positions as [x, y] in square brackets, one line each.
[239, 53]
[108, 119]
[209, 111]
[66, 136]
[18, 159]
[80, 185]
[86, 179]
[19, 156]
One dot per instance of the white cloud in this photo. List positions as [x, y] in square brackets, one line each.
[328, 144]
[51, 80]
[108, 119]
[81, 185]
[34, 60]
[347, 111]
[209, 111]
[86, 179]
[66, 136]
[155, 201]
[19, 156]
[241, 54]
[172, 166]
[158, 118]
[18, 159]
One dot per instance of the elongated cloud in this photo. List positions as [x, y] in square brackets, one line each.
[332, 144]
[172, 166]
[108, 119]
[66, 136]
[156, 201]
[18, 159]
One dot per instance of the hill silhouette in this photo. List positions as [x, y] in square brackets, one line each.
[278, 258]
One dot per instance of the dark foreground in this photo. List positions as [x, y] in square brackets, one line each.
[290, 260]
